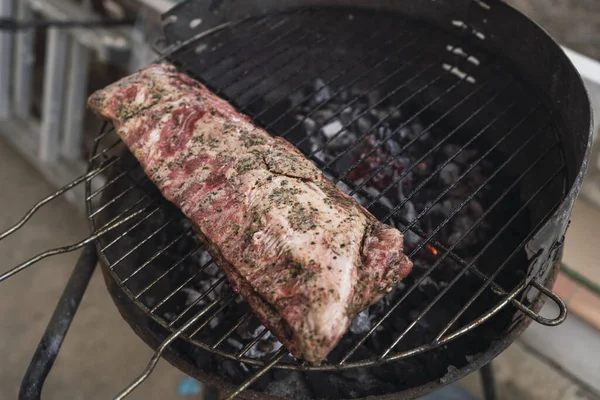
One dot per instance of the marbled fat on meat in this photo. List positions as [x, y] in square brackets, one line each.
[304, 255]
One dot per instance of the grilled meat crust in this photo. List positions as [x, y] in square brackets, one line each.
[304, 255]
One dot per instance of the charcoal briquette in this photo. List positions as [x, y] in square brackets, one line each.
[292, 386]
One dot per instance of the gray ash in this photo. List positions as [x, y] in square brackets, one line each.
[338, 129]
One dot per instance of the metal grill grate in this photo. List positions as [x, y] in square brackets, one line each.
[272, 68]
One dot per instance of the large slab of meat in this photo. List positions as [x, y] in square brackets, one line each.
[304, 255]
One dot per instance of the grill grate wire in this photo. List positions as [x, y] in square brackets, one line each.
[447, 252]
[270, 52]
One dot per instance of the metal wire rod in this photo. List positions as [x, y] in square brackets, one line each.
[169, 270]
[240, 321]
[66, 249]
[156, 255]
[137, 246]
[113, 181]
[91, 174]
[491, 278]
[562, 306]
[138, 223]
[158, 354]
[433, 174]
[225, 304]
[185, 43]
[260, 58]
[418, 281]
[383, 99]
[476, 257]
[272, 362]
[198, 300]
[107, 149]
[415, 163]
[508, 299]
[326, 66]
[181, 286]
[247, 348]
[250, 39]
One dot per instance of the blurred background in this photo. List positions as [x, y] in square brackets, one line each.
[46, 134]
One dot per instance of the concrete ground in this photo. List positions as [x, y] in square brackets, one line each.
[101, 353]
[522, 375]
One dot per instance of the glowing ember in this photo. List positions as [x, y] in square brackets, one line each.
[432, 249]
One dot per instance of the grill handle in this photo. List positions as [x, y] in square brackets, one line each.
[562, 307]
[158, 354]
[69, 186]
[43, 202]
[51, 342]
[65, 249]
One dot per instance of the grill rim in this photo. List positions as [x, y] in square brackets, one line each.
[327, 366]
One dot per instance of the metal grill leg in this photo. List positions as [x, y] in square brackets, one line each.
[43, 359]
[488, 380]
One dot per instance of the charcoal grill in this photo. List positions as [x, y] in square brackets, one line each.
[460, 122]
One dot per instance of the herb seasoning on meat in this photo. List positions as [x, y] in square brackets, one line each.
[304, 255]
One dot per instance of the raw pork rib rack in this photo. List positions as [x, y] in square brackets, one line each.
[306, 257]
[430, 132]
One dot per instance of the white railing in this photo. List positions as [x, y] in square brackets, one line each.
[53, 142]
